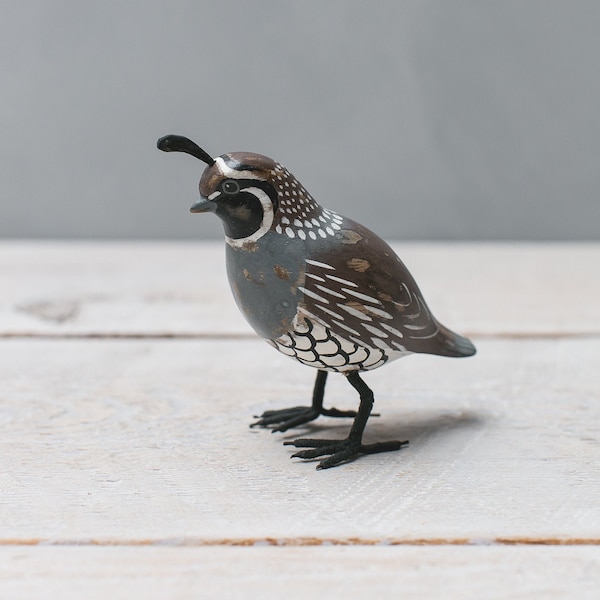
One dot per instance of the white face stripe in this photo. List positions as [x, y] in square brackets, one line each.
[232, 173]
[267, 221]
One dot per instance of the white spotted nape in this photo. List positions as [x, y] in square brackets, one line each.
[299, 215]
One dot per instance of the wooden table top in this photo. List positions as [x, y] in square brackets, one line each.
[129, 470]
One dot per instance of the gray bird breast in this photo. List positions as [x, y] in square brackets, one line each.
[264, 279]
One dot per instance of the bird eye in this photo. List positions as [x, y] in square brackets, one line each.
[230, 187]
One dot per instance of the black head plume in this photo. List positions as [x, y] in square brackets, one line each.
[178, 143]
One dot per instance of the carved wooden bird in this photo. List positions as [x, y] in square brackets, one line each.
[317, 286]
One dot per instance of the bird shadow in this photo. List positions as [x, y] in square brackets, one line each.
[417, 428]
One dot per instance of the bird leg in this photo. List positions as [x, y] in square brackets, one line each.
[287, 418]
[347, 449]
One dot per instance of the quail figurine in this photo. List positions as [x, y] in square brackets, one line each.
[316, 286]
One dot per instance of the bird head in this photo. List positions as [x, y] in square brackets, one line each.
[252, 195]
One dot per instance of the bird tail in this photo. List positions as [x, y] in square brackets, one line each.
[452, 344]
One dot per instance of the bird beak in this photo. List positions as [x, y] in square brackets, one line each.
[203, 205]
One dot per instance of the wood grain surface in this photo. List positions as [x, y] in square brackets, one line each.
[156, 573]
[110, 288]
[128, 468]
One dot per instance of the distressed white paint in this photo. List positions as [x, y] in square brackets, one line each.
[137, 442]
[150, 440]
[353, 573]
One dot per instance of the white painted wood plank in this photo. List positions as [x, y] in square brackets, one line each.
[139, 440]
[324, 572]
[115, 288]
[180, 288]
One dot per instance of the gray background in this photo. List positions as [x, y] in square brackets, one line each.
[424, 119]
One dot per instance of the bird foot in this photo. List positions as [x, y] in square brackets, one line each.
[339, 450]
[286, 418]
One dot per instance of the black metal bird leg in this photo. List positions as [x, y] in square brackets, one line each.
[347, 449]
[286, 418]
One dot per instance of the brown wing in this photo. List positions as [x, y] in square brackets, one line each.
[362, 291]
